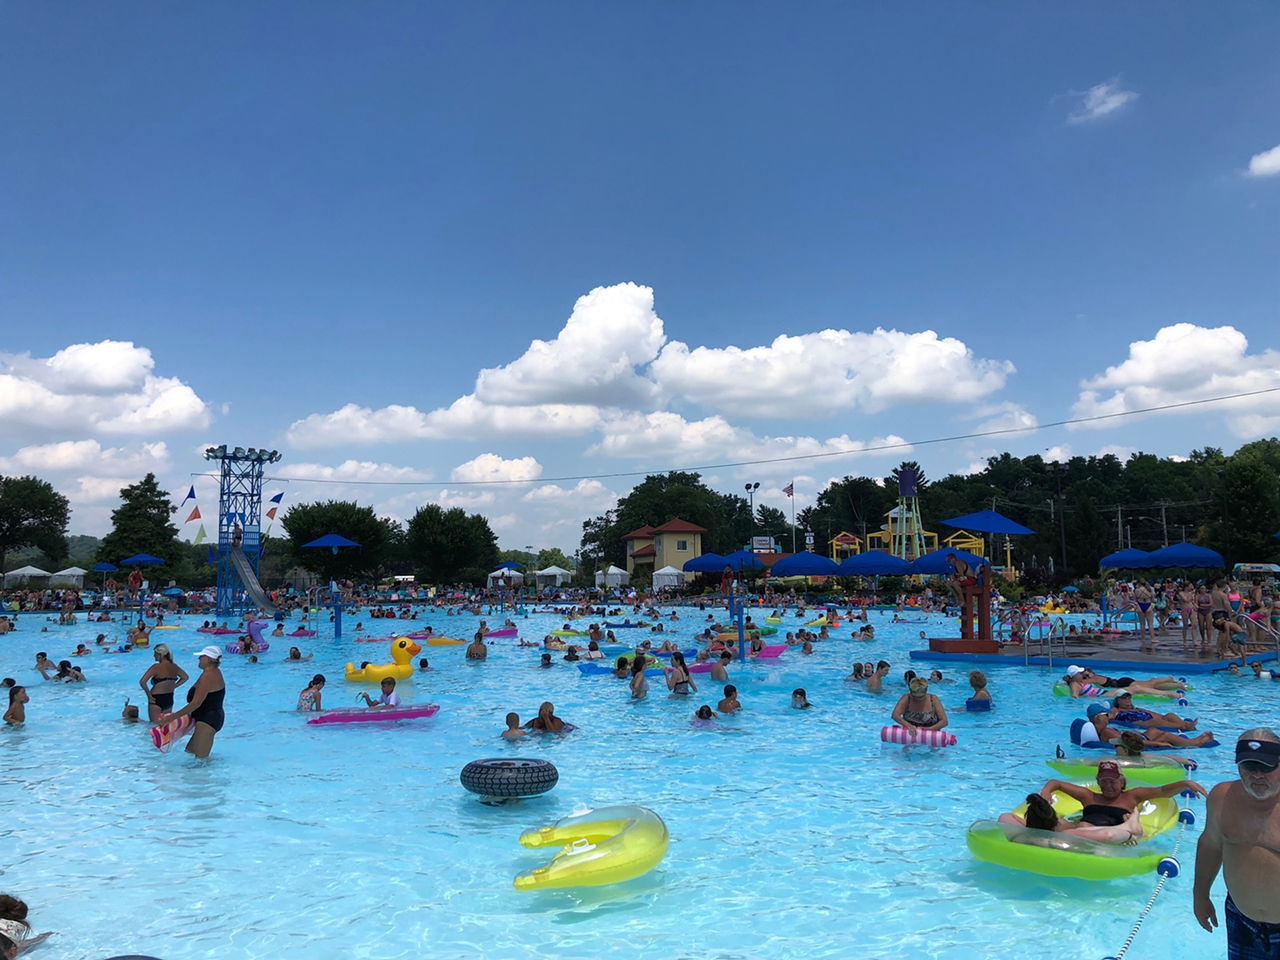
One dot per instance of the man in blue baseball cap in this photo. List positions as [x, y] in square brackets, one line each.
[1242, 839]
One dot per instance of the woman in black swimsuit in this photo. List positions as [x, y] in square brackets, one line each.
[204, 703]
[678, 678]
[165, 676]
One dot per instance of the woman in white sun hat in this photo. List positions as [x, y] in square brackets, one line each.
[204, 703]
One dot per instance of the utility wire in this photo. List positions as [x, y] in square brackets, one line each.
[905, 444]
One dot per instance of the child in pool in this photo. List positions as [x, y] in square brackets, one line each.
[513, 731]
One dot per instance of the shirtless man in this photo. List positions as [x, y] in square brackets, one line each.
[729, 704]
[718, 669]
[875, 682]
[1242, 839]
[1111, 803]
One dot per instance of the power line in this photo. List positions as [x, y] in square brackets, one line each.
[878, 448]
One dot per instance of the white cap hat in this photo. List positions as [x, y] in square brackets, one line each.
[1073, 670]
[213, 653]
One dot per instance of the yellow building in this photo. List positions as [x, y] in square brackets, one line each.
[844, 545]
[670, 545]
[964, 540]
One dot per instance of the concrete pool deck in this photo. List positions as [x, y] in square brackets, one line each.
[1110, 653]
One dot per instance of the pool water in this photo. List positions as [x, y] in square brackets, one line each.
[793, 833]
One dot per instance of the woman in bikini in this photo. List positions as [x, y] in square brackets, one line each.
[1144, 599]
[165, 677]
[678, 679]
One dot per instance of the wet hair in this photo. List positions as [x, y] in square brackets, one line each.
[8, 682]
[11, 908]
[318, 678]
[677, 660]
[882, 665]
[730, 690]
[857, 670]
[637, 666]
[422, 664]
[1040, 813]
[908, 676]
[14, 691]
[704, 712]
[513, 720]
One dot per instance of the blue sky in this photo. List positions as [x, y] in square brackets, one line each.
[338, 229]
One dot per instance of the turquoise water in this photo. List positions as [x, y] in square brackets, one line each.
[793, 834]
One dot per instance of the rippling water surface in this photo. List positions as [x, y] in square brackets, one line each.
[793, 834]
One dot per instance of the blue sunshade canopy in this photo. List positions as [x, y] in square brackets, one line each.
[105, 567]
[509, 565]
[935, 562]
[874, 563]
[331, 540]
[988, 521]
[140, 560]
[707, 563]
[741, 560]
[1184, 555]
[1124, 560]
[805, 564]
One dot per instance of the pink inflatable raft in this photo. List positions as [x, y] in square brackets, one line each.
[927, 738]
[504, 632]
[369, 715]
[768, 653]
[301, 633]
[219, 632]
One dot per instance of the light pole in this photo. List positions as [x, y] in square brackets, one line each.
[1057, 469]
[751, 489]
[1163, 526]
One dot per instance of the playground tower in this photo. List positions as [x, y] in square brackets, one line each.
[906, 526]
[240, 527]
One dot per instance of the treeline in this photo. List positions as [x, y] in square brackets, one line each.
[1095, 504]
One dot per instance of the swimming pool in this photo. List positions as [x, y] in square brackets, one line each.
[793, 833]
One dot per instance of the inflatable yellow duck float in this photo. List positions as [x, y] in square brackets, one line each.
[402, 650]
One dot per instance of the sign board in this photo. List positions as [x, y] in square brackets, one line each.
[762, 545]
[808, 539]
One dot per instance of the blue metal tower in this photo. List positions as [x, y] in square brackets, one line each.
[239, 528]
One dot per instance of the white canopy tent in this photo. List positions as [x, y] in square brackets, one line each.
[70, 577]
[612, 577]
[552, 576]
[23, 574]
[511, 576]
[667, 577]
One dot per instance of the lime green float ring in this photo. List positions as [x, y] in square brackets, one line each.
[1060, 689]
[1154, 771]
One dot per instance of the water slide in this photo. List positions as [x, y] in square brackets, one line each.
[251, 585]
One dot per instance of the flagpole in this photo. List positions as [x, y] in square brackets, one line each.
[793, 516]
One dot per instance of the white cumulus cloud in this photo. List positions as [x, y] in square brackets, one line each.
[817, 374]
[350, 470]
[1189, 362]
[88, 455]
[586, 496]
[611, 331]
[1098, 101]
[106, 387]
[665, 437]
[1265, 164]
[490, 466]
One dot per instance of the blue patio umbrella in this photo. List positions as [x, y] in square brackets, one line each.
[509, 565]
[707, 563]
[1070, 589]
[140, 560]
[1184, 555]
[105, 567]
[174, 591]
[741, 560]
[805, 564]
[331, 540]
[935, 562]
[988, 521]
[1124, 560]
[874, 563]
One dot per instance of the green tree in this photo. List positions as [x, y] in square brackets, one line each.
[447, 546]
[32, 514]
[142, 524]
[553, 557]
[309, 521]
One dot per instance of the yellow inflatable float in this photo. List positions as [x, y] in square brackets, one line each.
[400, 669]
[444, 642]
[602, 846]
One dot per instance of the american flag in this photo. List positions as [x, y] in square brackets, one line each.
[790, 489]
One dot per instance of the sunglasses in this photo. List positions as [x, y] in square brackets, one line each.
[1253, 766]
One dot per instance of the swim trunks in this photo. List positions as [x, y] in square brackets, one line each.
[1247, 939]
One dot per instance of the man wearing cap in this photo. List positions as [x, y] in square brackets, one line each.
[1123, 711]
[204, 703]
[1111, 802]
[1242, 839]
